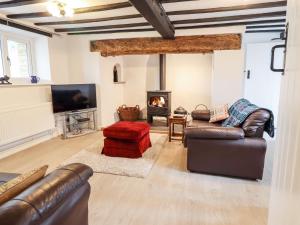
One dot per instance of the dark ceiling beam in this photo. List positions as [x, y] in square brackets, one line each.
[155, 14]
[265, 31]
[198, 11]
[105, 27]
[98, 8]
[24, 27]
[28, 28]
[231, 18]
[265, 26]
[178, 22]
[16, 3]
[89, 20]
[29, 15]
[114, 31]
[230, 8]
[243, 23]
[187, 27]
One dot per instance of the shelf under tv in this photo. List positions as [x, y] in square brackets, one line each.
[73, 123]
[82, 133]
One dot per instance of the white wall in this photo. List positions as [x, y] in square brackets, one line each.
[228, 77]
[259, 37]
[59, 63]
[25, 112]
[189, 79]
[84, 66]
[42, 59]
[11, 96]
[141, 73]
[111, 95]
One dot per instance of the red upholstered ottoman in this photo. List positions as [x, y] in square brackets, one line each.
[126, 139]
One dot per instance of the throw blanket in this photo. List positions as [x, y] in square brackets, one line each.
[240, 111]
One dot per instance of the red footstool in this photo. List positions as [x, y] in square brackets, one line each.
[126, 139]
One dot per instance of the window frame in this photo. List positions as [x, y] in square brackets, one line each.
[3, 73]
[4, 56]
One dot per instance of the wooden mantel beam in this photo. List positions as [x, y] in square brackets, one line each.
[182, 44]
[155, 14]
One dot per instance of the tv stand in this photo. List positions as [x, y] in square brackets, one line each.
[78, 123]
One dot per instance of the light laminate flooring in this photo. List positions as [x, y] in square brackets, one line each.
[170, 195]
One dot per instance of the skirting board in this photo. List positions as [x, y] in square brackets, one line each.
[17, 146]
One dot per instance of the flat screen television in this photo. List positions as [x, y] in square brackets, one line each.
[73, 97]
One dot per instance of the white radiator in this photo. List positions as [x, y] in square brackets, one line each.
[19, 122]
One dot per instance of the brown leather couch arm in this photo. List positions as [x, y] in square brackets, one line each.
[223, 133]
[48, 197]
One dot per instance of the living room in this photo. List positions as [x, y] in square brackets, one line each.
[179, 101]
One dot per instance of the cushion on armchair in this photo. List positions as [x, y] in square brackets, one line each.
[219, 113]
[15, 186]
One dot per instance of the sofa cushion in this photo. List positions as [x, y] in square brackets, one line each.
[5, 177]
[202, 123]
[15, 186]
[218, 114]
[126, 130]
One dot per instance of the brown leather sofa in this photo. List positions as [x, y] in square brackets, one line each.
[235, 152]
[60, 198]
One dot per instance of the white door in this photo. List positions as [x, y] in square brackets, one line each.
[262, 85]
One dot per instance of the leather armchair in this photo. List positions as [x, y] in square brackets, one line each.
[59, 198]
[236, 152]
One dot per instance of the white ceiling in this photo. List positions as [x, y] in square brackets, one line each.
[200, 4]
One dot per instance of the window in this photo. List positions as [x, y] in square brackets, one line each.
[17, 58]
[1, 65]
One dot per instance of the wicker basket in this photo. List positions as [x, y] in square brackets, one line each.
[128, 113]
[201, 114]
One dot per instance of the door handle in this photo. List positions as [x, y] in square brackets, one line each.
[284, 46]
[273, 56]
[248, 74]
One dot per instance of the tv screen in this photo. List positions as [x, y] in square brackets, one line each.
[73, 97]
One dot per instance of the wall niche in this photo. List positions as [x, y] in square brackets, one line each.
[117, 74]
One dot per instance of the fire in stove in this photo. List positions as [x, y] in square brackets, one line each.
[157, 101]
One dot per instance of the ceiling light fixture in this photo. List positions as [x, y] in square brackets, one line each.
[60, 9]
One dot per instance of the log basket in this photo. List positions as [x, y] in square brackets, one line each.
[129, 113]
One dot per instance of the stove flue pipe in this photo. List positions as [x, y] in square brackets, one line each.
[162, 72]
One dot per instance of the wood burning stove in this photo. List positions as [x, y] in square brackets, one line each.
[158, 104]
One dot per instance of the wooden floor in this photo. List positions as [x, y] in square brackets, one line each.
[170, 195]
